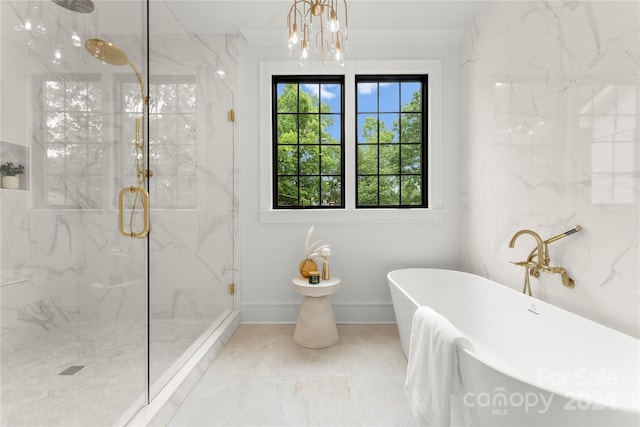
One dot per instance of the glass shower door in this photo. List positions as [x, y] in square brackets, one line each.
[191, 192]
[73, 290]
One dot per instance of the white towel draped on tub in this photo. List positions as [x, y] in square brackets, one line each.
[432, 371]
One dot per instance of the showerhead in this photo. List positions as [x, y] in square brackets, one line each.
[80, 6]
[106, 52]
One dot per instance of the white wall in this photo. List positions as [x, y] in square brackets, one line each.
[551, 105]
[362, 252]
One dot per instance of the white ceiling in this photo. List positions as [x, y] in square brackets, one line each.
[264, 22]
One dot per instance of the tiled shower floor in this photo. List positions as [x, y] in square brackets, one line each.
[33, 393]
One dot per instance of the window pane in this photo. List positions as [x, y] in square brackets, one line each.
[389, 190]
[411, 191]
[330, 129]
[187, 129]
[389, 97]
[367, 129]
[76, 159]
[389, 159]
[411, 96]
[309, 190]
[287, 160]
[187, 98]
[309, 129]
[367, 190]
[56, 154]
[54, 95]
[76, 129]
[76, 96]
[287, 191]
[367, 159]
[330, 98]
[411, 128]
[55, 127]
[95, 158]
[308, 101]
[309, 160]
[166, 98]
[411, 158]
[331, 161]
[389, 127]
[94, 127]
[287, 98]
[367, 97]
[287, 129]
[331, 188]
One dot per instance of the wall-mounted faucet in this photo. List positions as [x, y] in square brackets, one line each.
[541, 253]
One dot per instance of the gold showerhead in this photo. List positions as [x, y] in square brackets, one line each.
[80, 6]
[106, 52]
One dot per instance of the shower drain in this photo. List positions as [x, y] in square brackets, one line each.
[71, 370]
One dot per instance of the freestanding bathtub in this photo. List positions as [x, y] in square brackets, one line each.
[533, 364]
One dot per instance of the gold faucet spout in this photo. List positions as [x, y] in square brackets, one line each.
[539, 248]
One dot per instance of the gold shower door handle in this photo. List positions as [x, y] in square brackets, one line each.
[145, 212]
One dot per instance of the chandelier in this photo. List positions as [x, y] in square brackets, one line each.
[300, 23]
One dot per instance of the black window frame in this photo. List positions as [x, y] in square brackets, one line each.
[396, 78]
[301, 80]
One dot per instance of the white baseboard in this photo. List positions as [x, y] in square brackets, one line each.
[344, 313]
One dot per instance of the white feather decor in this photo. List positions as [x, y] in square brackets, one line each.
[313, 250]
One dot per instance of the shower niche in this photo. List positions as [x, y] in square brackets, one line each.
[15, 155]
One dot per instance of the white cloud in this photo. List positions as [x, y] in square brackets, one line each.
[366, 88]
[315, 90]
[369, 88]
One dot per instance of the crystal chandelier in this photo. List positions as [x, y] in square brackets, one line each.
[300, 23]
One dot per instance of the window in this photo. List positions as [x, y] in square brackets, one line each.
[308, 135]
[391, 141]
[420, 168]
[72, 150]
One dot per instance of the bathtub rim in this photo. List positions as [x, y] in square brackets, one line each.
[492, 365]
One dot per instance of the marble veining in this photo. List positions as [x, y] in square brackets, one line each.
[552, 106]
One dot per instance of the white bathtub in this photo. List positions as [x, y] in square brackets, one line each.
[534, 364]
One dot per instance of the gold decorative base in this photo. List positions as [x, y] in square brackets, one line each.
[306, 266]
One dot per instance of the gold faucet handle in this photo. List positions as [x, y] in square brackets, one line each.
[532, 267]
[524, 263]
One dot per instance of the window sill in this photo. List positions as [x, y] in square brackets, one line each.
[350, 215]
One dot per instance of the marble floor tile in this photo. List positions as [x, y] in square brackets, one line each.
[263, 378]
[113, 353]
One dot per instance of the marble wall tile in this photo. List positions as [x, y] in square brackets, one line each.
[551, 98]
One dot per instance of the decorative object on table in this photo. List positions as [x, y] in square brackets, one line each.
[312, 251]
[314, 277]
[326, 253]
[10, 174]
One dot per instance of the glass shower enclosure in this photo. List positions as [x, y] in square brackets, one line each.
[117, 244]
